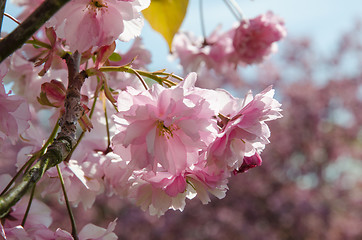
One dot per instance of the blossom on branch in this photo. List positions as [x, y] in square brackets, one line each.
[176, 143]
[243, 129]
[88, 24]
[164, 126]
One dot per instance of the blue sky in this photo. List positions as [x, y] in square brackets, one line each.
[322, 20]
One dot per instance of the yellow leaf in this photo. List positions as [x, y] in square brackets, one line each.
[166, 17]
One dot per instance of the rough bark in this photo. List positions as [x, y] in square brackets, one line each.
[62, 145]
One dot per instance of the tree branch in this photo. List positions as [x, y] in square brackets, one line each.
[2, 10]
[24, 31]
[62, 145]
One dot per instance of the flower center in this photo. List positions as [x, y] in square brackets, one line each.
[165, 131]
[96, 5]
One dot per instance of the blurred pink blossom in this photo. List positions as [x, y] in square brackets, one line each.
[255, 38]
[14, 115]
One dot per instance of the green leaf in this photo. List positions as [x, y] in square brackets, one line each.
[115, 57]
[166, 17]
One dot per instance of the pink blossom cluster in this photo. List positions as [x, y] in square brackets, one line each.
[255, 39]
[250, 42]
[181, 142]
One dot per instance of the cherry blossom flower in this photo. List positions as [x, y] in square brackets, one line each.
[87, 24]
[163, 126]
[255, 38]
[205, 179]
[148, 191]
[24, 75]
[243, 130]
[82, 179]
[212, 52]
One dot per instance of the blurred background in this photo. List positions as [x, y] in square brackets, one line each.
[310, 183]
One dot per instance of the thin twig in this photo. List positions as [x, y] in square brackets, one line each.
[2, 9]
[140, 78]
[107, 124]
[235, 9]
[151, 75]
[202, 20]
[12, 18]
[69, 209]
[28, 207]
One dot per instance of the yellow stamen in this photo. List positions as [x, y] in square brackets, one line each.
[165, 131]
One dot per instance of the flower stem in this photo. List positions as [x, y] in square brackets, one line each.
[152, 75]
[2, 9]
[12, 18]
[202, 21]
[39, 43]
[235, 9]
[69, 209]
[140, 78]
[28, 207]
[107, 124]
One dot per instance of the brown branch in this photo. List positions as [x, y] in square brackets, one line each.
[62, 145]
[24, 31]
[2, 10]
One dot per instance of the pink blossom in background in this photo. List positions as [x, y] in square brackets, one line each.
[39, 231]
[216, 58]
[212, 52]
[191, 52]
[24, 75]
[88, 24]
[93, 232]
[39, 214]
[28, 5]
[255, 38]
[14, 115]
[137, 54]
